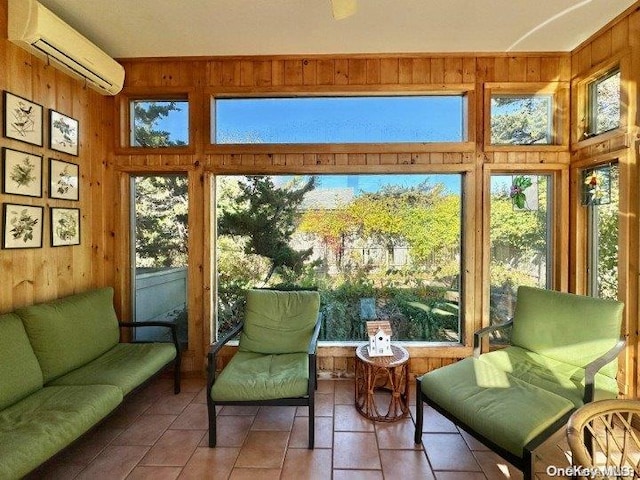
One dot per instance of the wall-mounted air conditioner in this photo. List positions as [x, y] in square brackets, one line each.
[36, 29]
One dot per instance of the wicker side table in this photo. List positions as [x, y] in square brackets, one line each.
[382, 374]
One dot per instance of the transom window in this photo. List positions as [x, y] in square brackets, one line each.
[362, 119]
[604, 103]
[159, 123]
[521, 119]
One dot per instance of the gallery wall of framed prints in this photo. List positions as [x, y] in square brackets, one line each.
[26, 174]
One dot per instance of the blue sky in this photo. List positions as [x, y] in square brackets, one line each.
[381, 119]
[376, 119]
[338, 120]
[374, 183]
[176, 123]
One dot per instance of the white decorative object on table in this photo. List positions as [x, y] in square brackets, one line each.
[379, 339]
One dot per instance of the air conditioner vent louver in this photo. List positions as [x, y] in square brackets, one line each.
[60, 56]
[38, 30]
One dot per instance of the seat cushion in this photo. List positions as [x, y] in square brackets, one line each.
[254, 376]
[69, 332]
[279, 321]
[573, 329]
[126, 366]
[499, 406]
[558, 377]
[20, 372]
[37, 427]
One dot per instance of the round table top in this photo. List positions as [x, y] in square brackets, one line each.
[400, 356]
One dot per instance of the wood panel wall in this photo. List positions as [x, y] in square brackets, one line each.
[36, 275]
[618, 44]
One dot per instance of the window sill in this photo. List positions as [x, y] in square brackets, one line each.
[186, 150]
[416, 349]
[603, 137]
[376, 148]
[526, 148]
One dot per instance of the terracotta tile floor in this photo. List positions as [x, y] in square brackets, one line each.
[157, 435]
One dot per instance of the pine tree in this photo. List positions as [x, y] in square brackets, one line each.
[146, 117]
[268, 216]
[161, 221]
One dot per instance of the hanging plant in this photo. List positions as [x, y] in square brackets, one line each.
[519, 185]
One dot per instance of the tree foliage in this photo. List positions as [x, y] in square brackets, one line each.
[423, 217]
[161, 221]
[607, 108]
[520, 120]
[267, 216]
[519, 231]
[145, 129]
[608, 235]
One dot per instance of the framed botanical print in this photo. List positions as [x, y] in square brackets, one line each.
[64, 180]
[22, 119]
[21, 173]
[22, 226]
[65, 226]
[63, 133]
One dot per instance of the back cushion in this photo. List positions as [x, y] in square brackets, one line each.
[69, 332]
[278, 321]
[569, 328]
[20, 373]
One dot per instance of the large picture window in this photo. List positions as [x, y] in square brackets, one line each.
[375, 246]
[364, 119]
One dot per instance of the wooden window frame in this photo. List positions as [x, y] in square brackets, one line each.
[580, 101]
[464, 146]
[559, 215]
[591, 112]
[123, 111]
[469, 266]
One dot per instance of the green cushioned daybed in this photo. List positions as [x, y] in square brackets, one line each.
[562, 355]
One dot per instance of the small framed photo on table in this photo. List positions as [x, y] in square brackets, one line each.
[65, 226]
[63, 133]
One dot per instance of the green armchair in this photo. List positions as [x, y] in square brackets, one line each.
[276, 359]
[563, 354]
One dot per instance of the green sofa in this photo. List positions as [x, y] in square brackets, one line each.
[63, 370]
[562, 355]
